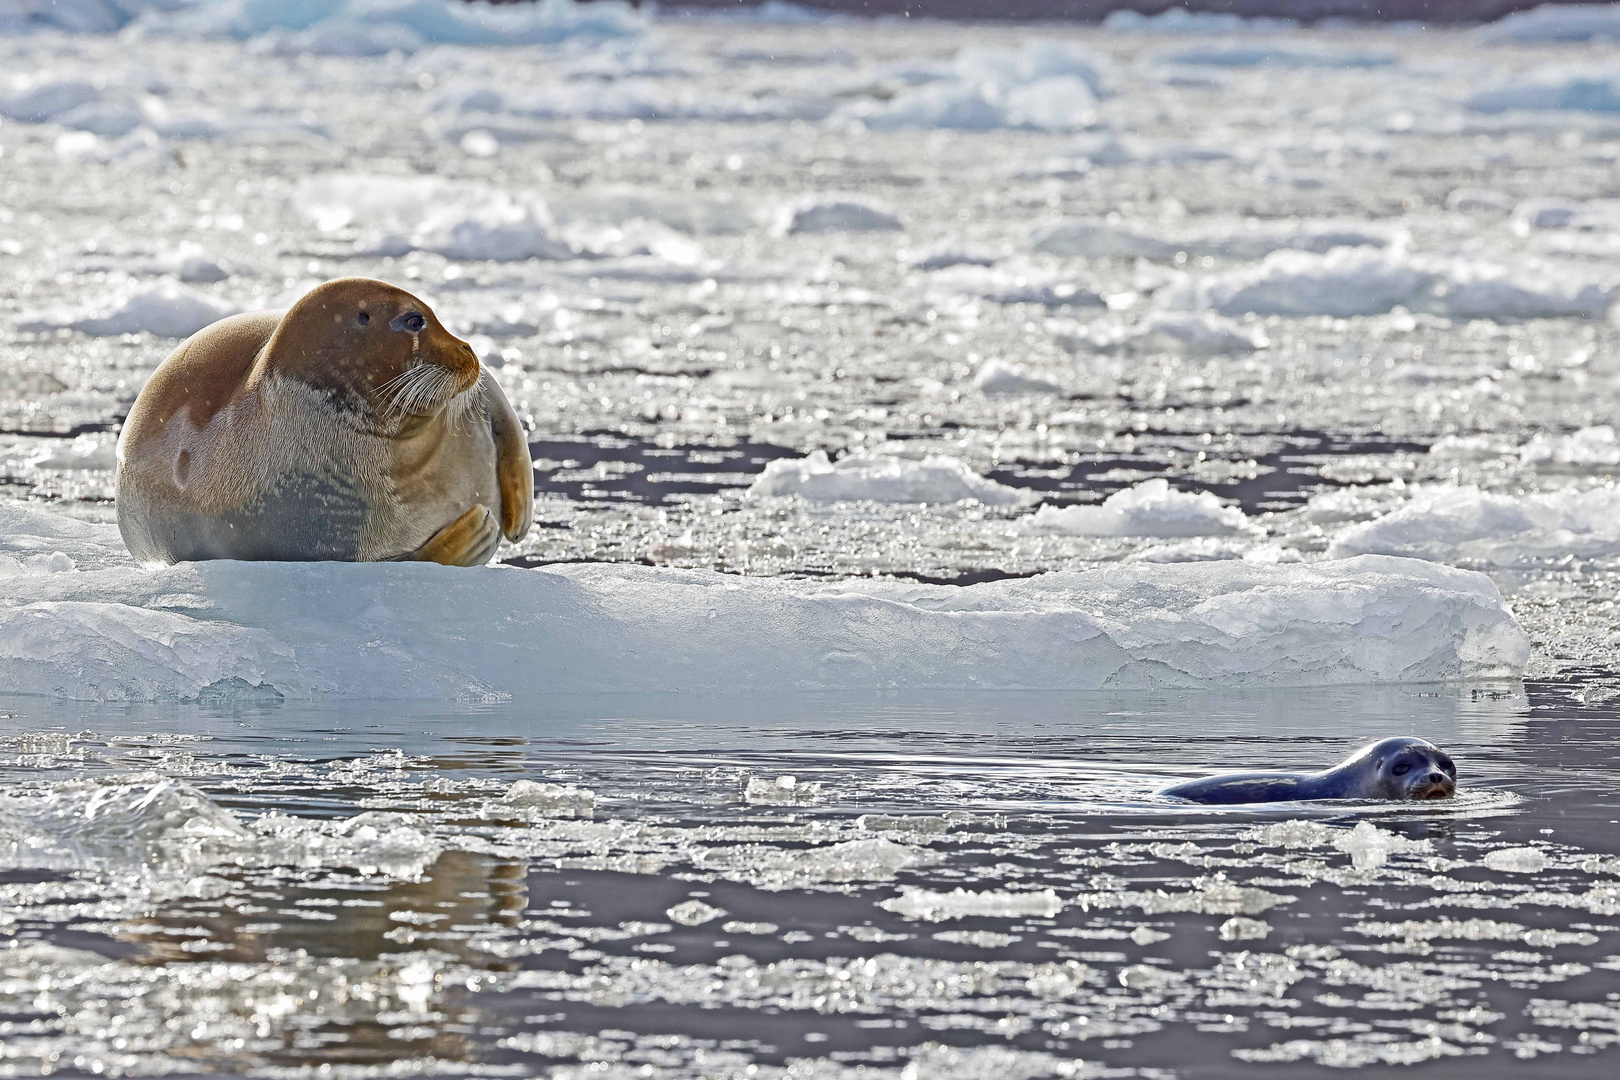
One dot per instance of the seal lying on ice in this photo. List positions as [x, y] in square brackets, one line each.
[351, 427]
[1402, 768]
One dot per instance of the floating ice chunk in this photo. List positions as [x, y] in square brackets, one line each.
[327, 629]
[1239, 928]
[1554, 22]
[880, 477]
[782, 791]
[80, 453]
[1145, 936]
[549, 22]
[534, 798]
[694, 913]
[1016, 285]
[1473, 291]
[1151, 508]
[39, 101]
[836, 214]
[1584, 88]
[1180, 20]
[1517, 860]
[1589, 446]
[1098, 240]
[164, 310]
[142, 821]
[339, 37]
[1000, 377]
[1195, 335]
[1214, 549]
[1274, 53]
[497, 227]
[1293, 834]
[1466, 524]
[876, 859]
[372, 843]
[1213, 896]
[109, 119]
[1034, 61]
[1370, 847]
[1468, 200]
[455, 219]
[1343, 282]
[917, 903]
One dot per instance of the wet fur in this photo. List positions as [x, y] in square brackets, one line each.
[252, 442]
[1364, 775]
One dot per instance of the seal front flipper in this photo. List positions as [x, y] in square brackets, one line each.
[470, 540]
[514, 469]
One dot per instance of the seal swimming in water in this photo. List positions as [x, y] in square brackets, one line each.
[1401, 768]
[352, 427]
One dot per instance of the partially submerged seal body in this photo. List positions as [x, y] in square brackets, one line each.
[1402, 768]
[351, 427]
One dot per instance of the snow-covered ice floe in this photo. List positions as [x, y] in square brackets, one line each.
[224, 631]
[1454, 524]
[456, 219]
[1583, 87]
[1554, 22]
[876, 476]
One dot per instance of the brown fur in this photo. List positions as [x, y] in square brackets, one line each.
[291, 436]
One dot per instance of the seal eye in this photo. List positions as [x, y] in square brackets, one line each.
[365, 317]
[411, 322]
[1403, 768]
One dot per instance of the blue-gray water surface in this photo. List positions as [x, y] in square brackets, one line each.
[951, 886]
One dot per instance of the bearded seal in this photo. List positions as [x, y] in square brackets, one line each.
[1402, 768]
[352, 427]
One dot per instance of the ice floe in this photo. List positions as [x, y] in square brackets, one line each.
[1354, 281]
[1094, 239]
[1043, 85]
[1001, 377]
[1583, 87]
[164, 310]
[1151, 508]
[548, 22]
[1277, 53]
[1597, 445]
[252, 631]
[835, 213]
[880, 476]
[1554, 22]
[456, 219]
[1465, 524]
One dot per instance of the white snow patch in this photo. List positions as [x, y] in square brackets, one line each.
[1517, 860]
[1151, 508]
[880, 477]
[1466, 524]
[167, 309]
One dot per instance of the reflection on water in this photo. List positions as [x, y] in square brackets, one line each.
[949, 886]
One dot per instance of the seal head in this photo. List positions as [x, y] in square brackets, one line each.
[1399, 768]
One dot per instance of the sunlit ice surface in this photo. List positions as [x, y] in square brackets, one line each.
[1345, 290]
[832, 886]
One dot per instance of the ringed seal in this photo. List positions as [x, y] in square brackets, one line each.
[1400, 768]
[351, 427]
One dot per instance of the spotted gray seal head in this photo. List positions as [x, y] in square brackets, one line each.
[1399, 768]
[353, 427]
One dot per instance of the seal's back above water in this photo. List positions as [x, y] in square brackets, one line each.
[1399, 768]
[353, 427]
